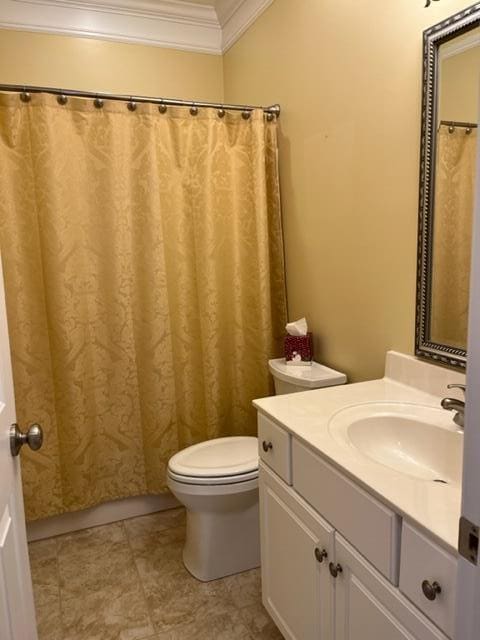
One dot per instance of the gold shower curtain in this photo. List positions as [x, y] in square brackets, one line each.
[144, 275]
[452, 233]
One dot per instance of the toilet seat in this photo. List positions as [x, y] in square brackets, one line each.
[230, 460]
[214, 480]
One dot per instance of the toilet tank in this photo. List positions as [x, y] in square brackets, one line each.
[292, 378]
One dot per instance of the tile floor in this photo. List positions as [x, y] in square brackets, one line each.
[126, 581]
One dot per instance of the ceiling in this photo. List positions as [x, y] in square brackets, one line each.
[206, 26]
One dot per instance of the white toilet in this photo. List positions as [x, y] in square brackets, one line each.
[217, 482]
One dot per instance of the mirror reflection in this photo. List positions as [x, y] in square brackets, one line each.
[455, 159]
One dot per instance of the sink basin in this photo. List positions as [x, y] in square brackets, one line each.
[416, 440]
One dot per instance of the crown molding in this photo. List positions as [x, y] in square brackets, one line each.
[177, 24]
[235, 18]
[162, 23]
[176, 10]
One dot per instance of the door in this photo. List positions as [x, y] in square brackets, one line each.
[296, 545]
[368, 607]
[17, 615]
[467, 622]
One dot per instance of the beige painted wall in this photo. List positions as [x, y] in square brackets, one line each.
[99, 65]
[348, 77]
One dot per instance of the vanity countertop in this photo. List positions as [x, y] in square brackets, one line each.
[433, 506]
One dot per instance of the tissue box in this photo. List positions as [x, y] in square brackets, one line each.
[298, 350]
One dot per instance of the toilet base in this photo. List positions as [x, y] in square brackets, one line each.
[219, 545]
[223, 530]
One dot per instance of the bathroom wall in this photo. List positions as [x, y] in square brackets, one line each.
[348, 76]
[98, 65]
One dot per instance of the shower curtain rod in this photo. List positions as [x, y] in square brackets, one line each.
[452, 123]
[273, 110]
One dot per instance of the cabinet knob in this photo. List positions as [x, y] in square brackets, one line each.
[320, 555]
[267, 445]
[431, 589]
[335, 569]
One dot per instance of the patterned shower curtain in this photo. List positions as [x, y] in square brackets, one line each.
[145, 289]
[452, 234]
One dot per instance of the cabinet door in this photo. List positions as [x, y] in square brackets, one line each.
[296, 547]
[368, 607]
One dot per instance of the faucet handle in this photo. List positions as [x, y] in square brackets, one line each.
[457, 386]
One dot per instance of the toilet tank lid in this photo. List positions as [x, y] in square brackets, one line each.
[219, 457]
[312, 376]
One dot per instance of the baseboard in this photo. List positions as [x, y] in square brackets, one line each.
[102, 514]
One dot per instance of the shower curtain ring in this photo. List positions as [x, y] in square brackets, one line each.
[25, 96]
[162, 107]
[62, 99]
[246, 115]
[193, 109]
[221, 113]
[131, 105]
[98, 102]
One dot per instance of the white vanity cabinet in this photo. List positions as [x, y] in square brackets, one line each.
[296, 547]
[316, 583]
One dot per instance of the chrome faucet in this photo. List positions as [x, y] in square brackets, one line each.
[452, 404]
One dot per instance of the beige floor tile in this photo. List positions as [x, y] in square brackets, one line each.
[154, 523]
[46, 591]
[91, 539]
[259, 623]
[167, 544]
[159, 554]
[179, 599]
[245, 588]
[127, 581]
[45, 573]
[174, 597]
[42, 549]
[116, 613]
[43, 562]
[49, 622]
[47, 610]
[95, 559]
[225, 627]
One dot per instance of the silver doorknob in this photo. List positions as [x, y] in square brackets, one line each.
[33, 437]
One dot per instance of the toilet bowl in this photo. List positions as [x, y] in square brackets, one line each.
[217, 482]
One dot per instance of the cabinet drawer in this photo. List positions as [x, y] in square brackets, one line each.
[369, 525]
[275, 448]
[423, 560]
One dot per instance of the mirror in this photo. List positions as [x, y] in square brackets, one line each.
[447, 180]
